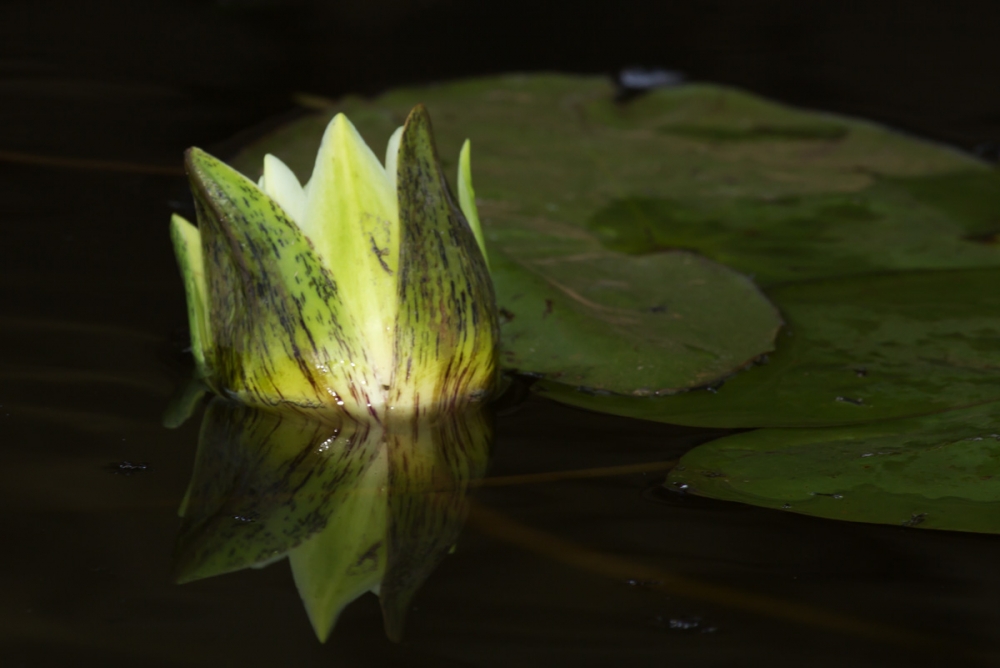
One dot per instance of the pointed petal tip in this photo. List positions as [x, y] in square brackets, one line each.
[179, 221]
[202, 167]
[194, 157]
[340, 124]
[418, 116]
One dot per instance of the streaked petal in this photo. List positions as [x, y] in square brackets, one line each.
[276, 318]
[447, 330]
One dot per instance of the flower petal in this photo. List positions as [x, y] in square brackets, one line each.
[391, 155]
[281, 184]
[353, 222]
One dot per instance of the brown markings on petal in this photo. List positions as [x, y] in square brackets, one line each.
[265, 321]
[448, 326]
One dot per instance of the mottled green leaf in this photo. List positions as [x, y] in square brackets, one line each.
[935, 472]
[765, 188]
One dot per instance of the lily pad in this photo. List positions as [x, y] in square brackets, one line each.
[933, 472]
[779, 192]
[855, 350]
[630, 324]
[591, 210]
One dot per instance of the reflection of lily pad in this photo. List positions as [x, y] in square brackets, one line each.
[855, 350]
[937, 471]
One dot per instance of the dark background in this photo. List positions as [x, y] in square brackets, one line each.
[201, 71]
[98, 100]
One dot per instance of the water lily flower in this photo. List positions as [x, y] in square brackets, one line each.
[367, 290]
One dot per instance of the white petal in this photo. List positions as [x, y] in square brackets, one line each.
[281, 185]
[391, 155]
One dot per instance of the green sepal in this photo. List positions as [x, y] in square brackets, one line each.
[187, 247]
[279, 335]
[184, 401]
[447, 330]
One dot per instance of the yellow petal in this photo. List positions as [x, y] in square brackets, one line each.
[353, 223]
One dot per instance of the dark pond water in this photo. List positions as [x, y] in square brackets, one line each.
[596, 570]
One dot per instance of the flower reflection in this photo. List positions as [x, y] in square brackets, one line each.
[355, 506]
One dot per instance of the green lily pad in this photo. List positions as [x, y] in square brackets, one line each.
[591, 209]
[855, 350]
[765, 188]
[933, 472]
[630, 324]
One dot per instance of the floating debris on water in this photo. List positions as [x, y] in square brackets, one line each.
[682, 624]
[127, 468]
[644, 584]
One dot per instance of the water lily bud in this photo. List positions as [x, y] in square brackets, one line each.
[367, 290]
